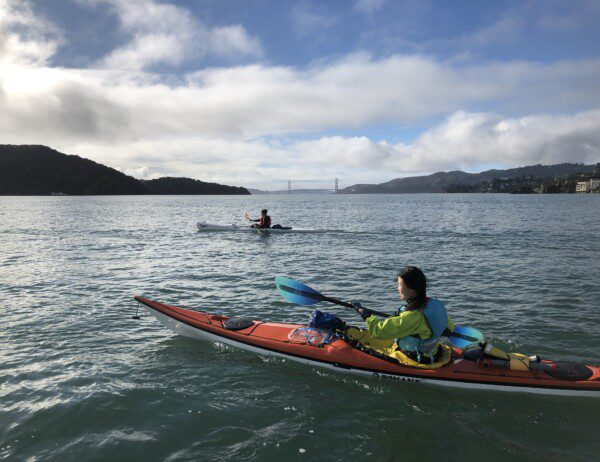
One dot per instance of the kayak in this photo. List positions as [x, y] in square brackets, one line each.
[281, 339]
[204, 226]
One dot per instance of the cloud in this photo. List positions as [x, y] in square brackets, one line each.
[354, 152]
[234, 41]
[307, 21]
[368, 6]
[408, 30]
[216, 123]
[146, 50]
[143, 173]
[465, 141]
[167, 34]
[468, 141]
[505, 30]
[576, 15]
[254, 101]
[25, 38]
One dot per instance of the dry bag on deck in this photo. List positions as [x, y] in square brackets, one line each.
[320, 320]
[320, 331]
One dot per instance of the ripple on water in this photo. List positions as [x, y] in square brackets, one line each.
[81, 380]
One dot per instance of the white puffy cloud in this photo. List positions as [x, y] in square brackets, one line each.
[255, 101]
[234, 41]
[355, 152]
[166, 34]
[25, 38]
[142, 173]
[467, 141]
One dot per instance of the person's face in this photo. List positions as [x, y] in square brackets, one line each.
[405, 291]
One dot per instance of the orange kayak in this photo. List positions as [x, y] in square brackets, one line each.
[278, 339]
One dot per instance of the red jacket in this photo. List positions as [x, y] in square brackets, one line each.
[265, 221]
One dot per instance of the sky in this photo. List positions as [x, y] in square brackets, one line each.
[257, 93]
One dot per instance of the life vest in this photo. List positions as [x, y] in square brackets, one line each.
[265, 221]
[437, 317]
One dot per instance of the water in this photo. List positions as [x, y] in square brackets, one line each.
[81, 380]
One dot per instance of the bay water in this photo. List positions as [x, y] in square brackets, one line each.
[81, 380]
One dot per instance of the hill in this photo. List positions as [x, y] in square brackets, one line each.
[31, 170]
[441, 181]
[181, 185]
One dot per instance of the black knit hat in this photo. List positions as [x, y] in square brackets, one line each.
[414, 278]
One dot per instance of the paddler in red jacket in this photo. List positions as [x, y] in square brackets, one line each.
[263, 222]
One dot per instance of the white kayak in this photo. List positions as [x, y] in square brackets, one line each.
[204, 226]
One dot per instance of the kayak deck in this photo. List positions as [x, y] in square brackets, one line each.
[274, 339]
[204, 226]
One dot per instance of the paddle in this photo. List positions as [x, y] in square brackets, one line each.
[300, 294]
[253, 225]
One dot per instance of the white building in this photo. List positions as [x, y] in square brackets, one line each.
[588, 186]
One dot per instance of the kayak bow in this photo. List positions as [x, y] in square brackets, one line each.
[278, 339]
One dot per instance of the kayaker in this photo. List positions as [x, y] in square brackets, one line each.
[416, 327]
[263, 222]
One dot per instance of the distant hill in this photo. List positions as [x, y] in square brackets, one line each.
[293, 191]
[176, 185]
[31, 170]
[438, 182]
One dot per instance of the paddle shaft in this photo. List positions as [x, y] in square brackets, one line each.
[350, 305]
[447, 332]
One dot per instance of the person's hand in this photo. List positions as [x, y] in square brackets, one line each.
[364, 312]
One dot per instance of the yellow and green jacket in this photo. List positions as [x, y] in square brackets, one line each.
[403, 325]
[386, 335]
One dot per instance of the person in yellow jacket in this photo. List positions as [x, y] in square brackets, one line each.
[417, 327]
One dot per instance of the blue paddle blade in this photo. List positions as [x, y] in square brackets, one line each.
[296, 292]
[462, 337]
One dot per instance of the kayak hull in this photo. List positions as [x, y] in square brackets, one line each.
[272, 339]
[204, 226]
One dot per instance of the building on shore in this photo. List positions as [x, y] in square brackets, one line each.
[592, 185]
